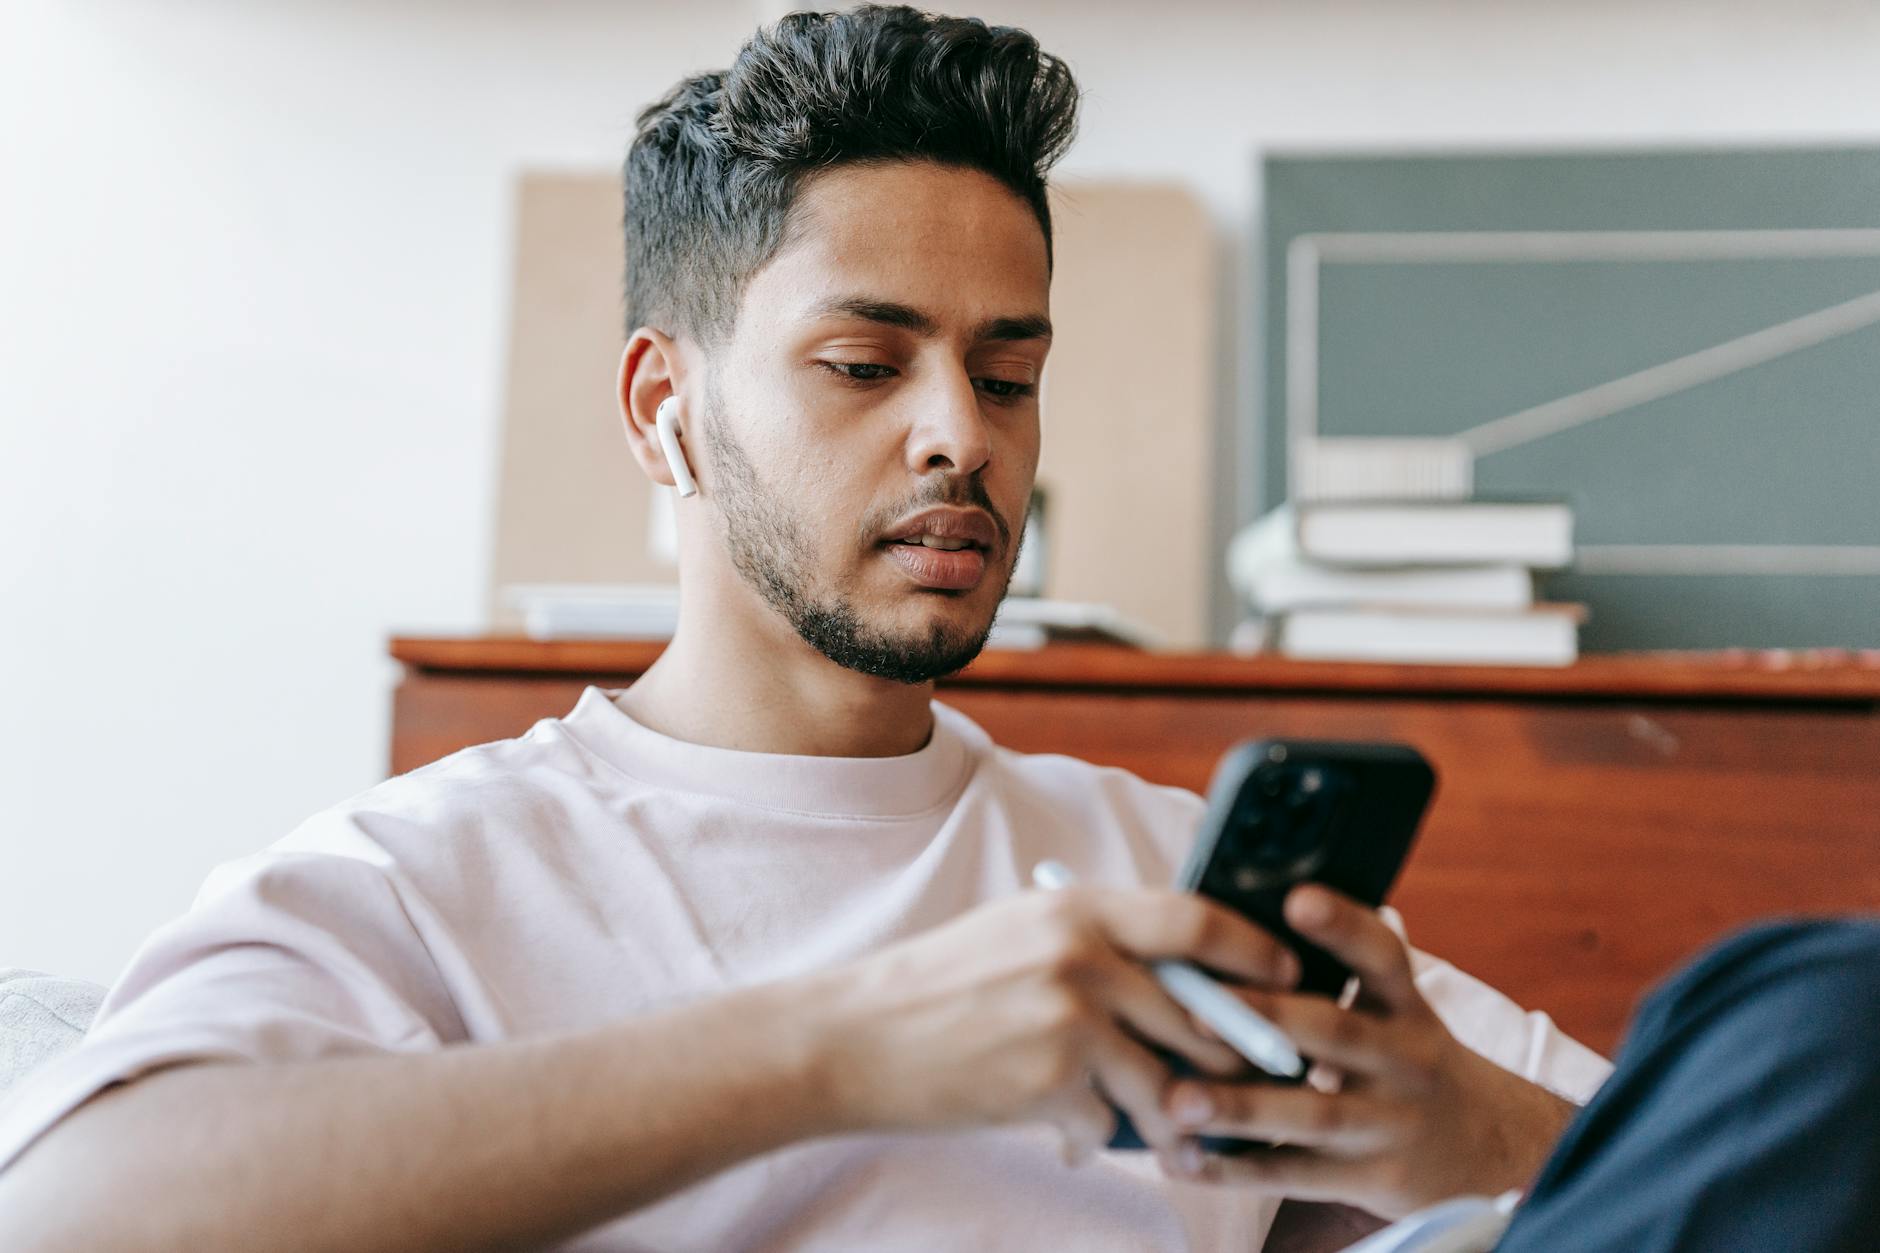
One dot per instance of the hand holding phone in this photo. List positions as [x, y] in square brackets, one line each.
[1285, 812]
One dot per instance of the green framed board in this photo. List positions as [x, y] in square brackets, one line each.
[1684, 344]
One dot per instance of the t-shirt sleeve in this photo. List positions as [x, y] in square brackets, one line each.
[1524, 1041]
[285, 956]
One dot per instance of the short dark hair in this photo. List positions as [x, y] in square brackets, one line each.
[716, 167]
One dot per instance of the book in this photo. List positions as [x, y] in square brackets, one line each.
[1546, 635]
[1265, 565]
[562, 611]
[1437, 532]
[1021, 636]
[1031, 622]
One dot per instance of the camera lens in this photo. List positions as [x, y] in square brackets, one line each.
[1280, 818]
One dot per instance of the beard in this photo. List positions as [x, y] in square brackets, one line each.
[772, 549]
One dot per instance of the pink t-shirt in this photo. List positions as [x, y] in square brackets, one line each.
[594, 869]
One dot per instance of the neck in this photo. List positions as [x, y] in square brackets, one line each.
[737, 676]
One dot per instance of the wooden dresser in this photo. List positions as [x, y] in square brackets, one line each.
[1593, 826]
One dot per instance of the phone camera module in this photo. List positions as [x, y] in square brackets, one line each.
[1280, 823]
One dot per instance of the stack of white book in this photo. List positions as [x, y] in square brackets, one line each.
[1418, 581]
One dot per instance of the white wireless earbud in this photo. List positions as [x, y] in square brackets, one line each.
[666, 422]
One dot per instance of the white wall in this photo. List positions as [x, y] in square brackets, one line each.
[253, 261]
[253, 268]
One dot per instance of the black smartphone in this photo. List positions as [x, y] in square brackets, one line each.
[1285, 812]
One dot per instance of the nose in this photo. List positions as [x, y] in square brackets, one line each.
[950, 430]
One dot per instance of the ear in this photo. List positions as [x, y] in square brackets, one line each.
[650, 370]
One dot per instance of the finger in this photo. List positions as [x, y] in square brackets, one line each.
[1339, 1124]
[1357, 936]
[1148, 925]
[1356, 1041]
[1085, 1122]
[1132, 1077]
[1140, 1002]
[1296, 1173]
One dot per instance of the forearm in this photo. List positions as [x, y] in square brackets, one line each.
[503, 1146]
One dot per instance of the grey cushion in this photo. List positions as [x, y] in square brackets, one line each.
[41, 1016]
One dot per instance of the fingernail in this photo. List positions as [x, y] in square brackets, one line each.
[1306, 908]
[1193, 1107]
[1188, 1159]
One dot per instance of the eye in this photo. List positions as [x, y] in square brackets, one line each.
[861, 371]
[1005, 389]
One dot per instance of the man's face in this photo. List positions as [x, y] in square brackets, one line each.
[871, 426]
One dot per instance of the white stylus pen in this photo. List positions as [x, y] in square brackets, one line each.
[1250, 1035]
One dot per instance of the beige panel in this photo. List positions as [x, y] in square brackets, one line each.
[1128, 403]
[571, 504]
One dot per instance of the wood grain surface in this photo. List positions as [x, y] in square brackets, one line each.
[1781, 676]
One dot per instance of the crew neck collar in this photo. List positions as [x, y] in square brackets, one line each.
[851, 787]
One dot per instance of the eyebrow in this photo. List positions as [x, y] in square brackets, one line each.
[908, 318]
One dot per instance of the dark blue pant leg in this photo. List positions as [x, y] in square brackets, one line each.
[1744, 1113]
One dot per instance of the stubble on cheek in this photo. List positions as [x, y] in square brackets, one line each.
[766, 544]
[771, 549]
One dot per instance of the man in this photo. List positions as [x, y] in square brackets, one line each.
[742, 957]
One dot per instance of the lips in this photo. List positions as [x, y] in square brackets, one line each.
[935, 567]
[972, 525]
[943, 548]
